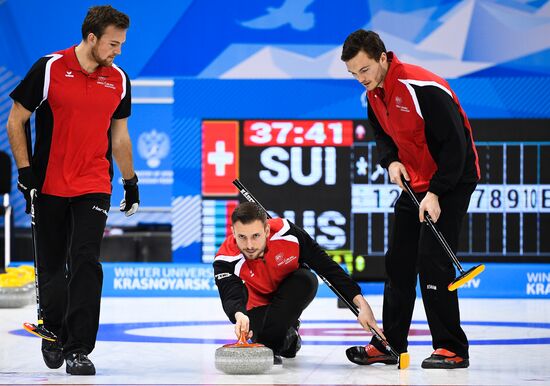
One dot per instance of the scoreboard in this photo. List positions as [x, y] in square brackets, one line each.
[323, 175]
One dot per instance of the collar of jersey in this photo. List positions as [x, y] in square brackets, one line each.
[73, 64]
[390, 79]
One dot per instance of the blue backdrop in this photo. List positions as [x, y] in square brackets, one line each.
[192, 60]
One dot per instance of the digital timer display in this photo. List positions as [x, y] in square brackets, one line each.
[298, 133]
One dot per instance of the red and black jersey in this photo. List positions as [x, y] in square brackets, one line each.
[72, 151]
[418, 121]
[244, 284]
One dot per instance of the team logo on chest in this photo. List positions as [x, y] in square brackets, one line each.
[400, 106]
[281, 260]
[103, 81]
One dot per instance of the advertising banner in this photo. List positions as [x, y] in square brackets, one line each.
[197, 280]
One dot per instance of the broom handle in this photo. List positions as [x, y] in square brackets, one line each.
[246, 193]
[35, 256]
[433, 227]
[355, 310]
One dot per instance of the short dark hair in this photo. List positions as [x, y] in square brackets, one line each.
[100, 17]
[248, 212]
[361, 40]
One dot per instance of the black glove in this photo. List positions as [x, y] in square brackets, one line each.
[130, 203]
[26, 182]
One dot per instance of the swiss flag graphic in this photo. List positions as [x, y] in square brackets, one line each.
[220, 157]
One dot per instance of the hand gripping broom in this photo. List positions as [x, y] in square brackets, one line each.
[465, 276]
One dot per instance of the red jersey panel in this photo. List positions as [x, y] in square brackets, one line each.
[246, 284]
[72, 154]
[401, 109]
[263, 276]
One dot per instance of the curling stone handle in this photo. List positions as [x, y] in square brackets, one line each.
[243, 339]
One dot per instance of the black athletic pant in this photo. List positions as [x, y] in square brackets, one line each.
[271, 322]
[415, 250]
[69, 234]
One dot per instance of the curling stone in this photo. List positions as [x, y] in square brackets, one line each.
[16, 288]
[244, 358]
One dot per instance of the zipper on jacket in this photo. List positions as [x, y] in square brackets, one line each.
[380, 94]
[268, 273]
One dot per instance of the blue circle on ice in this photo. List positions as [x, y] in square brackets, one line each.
[128, 332]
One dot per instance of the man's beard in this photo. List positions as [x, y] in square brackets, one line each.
[382, 75]
[258, 253]
[254, 256]
[102, 62]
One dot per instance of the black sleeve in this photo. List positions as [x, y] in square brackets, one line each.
[124, 109]
[231, 288]
[387, 150]
[30, 91]
[317, 259]
[445, 135]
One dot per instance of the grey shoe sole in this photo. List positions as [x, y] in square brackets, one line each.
[80, 370]
[444, 364]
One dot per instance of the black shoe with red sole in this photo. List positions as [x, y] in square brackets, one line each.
[368, 355]
[445, 359]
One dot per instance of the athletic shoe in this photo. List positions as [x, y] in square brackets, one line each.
[445, 359]
[367, 355]
[298, 344]
[292, 342]
[277, 360]
[79, 364]
[52, 352]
